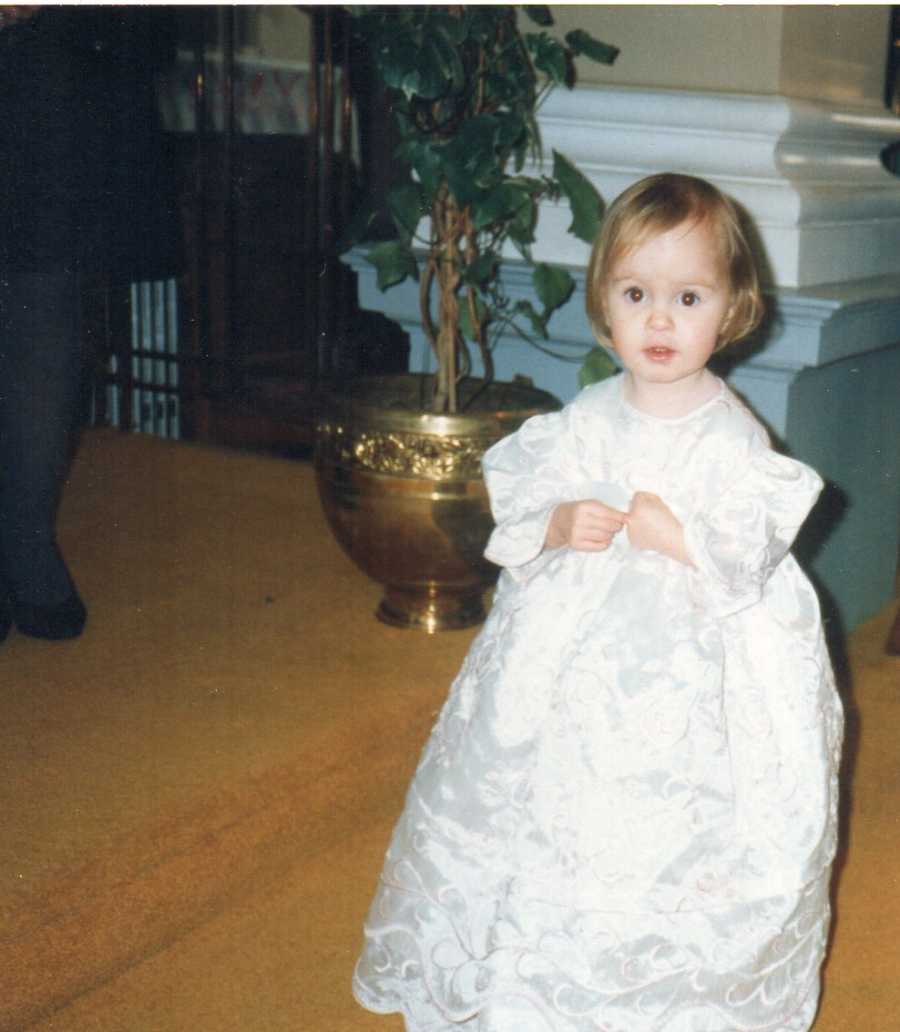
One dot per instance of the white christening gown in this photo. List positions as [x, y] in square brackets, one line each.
[625, 816]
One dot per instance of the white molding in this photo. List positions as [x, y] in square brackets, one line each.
[809, 174]
[809, 327]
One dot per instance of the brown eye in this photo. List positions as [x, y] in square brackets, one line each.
[689, 299]
[634, 294]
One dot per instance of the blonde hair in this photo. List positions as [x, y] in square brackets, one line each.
[657, 204]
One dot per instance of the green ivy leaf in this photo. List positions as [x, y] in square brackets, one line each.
[469, 161]
[481, 270]
[427, 77]
[538, 322]
[485, 20]
[397, 57]
[418, 61]
[498, 87]
[584, 43]
[583, 198]
[597, 366]
[426, 163]
[519, 72]
[505, 201]
[509, 130]
[549, 56]
[553, 286]
[453, 26]
[394, 261]
[539, 14]
[521, 229]
[441, 51]
[405, 202]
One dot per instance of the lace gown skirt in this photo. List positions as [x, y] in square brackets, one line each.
[578, 852]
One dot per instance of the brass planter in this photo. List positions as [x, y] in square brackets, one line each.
[403, 492]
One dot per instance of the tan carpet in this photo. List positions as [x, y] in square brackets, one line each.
[195, 797]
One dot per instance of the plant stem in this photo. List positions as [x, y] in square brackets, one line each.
[425, 302]
[446, 250]
[477, 321]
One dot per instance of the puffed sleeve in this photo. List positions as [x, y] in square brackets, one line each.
[738, 541]
[528, 474]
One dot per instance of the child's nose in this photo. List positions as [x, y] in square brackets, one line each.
[660, 316]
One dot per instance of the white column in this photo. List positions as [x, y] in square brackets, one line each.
[809, 174]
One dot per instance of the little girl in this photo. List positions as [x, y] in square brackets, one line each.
[625, 816]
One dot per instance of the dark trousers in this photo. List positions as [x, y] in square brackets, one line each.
[41, 366]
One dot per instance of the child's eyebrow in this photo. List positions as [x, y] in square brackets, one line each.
[680, 284]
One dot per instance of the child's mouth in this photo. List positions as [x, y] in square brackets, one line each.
[659, 354]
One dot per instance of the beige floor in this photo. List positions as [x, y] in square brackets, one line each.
[195, 797]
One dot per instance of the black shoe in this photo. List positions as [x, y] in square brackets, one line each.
[5, 618]
[53, 623]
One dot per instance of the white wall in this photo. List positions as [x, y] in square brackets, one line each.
[814, 51]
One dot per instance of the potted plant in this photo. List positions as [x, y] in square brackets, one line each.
[465, 83]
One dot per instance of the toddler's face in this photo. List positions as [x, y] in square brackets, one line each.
[666, 301]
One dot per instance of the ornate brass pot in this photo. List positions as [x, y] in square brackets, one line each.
[403, 492]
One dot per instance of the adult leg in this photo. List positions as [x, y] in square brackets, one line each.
[40, 377]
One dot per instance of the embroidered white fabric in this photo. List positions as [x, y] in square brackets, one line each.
[625, 816]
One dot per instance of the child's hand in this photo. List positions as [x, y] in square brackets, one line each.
[653, 525]
[587, 526]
